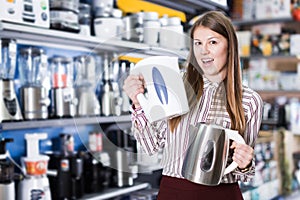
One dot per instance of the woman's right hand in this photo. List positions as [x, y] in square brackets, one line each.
[133, 85]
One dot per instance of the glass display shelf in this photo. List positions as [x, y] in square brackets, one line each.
[16, 125]
[115, 192]
[30, 35]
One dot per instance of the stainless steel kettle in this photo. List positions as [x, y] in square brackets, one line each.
[206, 156]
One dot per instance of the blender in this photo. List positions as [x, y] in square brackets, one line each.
[35, 184]
[110, 94]
[85, 84]
[125, 67]
[9, 105]
[7, 184]
[35, 83]
[63, 96]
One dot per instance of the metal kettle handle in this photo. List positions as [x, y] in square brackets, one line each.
[233, 135]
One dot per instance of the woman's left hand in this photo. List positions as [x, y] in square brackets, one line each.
[243, 154]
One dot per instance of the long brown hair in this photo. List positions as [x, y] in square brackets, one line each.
[193, 79]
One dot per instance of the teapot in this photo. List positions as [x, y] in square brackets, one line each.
[206, 157]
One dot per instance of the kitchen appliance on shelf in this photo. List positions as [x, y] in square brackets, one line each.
[171, 34]
[63, 96]
[26, 12]
[96, 171]
[109, 96]
[109, 27]
[125, 67]
[34, 77]
[133, 27]
[35, 184]
[64, 15]
[7, 184]
[296, 167]
[151, 27]
[85, 85]
[115, 77]
[66, 181]
[9, 104]
[121, 148]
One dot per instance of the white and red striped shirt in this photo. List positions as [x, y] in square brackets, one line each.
[157, 136]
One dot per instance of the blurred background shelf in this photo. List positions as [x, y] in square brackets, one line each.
[29, 35]
[63, 122]
[115, 192]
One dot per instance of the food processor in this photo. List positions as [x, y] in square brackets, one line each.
[35, 184]
[85, 85]
[34, 93]
[7, 184]
[63, 96]
[9, 104]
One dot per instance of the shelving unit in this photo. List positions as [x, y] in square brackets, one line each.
[36, 36]
[262, 21]
[64, 122]
[273, 187]
[29, 35]
[279, 62]
[41, 37]
[270, 94]
[114, 192]
[193, 7]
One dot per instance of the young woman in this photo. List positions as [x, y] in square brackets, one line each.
[216, 96]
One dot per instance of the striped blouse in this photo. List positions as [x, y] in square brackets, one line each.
[157, 136]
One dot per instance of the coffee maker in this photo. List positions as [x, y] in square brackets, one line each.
[9, 104]
[35, 184]
[33, 69]
[85, 85]
[67, 181]
[63, 96]
[7, 184]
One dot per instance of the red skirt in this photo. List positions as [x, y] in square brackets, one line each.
[181, 189]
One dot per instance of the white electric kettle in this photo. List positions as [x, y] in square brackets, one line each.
[165, 95]
[206, 157]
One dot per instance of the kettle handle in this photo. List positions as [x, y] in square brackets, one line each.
[142, 99]
[233, 135]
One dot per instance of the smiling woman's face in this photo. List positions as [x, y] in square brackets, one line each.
[211, 50]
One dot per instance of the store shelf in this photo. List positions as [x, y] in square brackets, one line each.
[273, 57]
[268, 190]
[115, 192]
[193, 7]
[272, 94]
[29, 35]
[262, 21]
[63, 122]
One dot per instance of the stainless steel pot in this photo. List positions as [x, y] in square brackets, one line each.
[206, 157]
